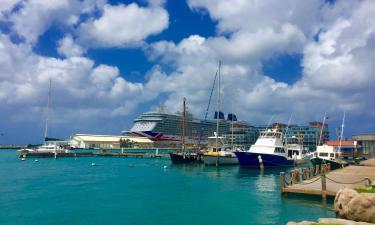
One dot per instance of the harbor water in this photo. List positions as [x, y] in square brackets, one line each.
[135, 191]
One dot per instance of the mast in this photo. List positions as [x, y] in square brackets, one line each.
[342, 131]
[183, 125]
[321, 129]
[218, 109]
[47, 112]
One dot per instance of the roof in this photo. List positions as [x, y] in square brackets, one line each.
[343, 143]
[109, 138]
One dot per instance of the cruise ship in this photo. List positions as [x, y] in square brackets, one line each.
[161, 126]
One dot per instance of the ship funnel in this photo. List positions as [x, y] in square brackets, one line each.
[232, 117]
[220, 114]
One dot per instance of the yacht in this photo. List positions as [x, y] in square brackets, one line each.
[268, 151]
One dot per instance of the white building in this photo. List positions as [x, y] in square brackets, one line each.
[107, 141]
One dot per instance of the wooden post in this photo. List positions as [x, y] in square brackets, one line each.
[329, 167]
[298, 176]
[304, 175]
[311, 172]
[282, 182]
[324, 186]
[317, 170]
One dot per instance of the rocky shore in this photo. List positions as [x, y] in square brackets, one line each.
[329, 221]
[352, 207]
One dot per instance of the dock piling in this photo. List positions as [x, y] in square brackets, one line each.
[324, 186]
[282, 182]
[304, 174]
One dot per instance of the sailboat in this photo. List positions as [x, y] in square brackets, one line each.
[219, 154]
[184, 157]
[51, 145]
[329, 154]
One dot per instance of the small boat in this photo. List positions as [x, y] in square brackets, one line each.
[328, 154]
[220, 155]
[184, 156]
[51, 145]
[268, 151]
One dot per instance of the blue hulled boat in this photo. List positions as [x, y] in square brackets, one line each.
[267, 151]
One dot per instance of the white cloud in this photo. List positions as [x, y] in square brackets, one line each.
[67, 47]
[34, 17]
[337, 70]
[123, 25]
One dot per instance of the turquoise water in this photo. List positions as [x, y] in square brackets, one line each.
[140, 191]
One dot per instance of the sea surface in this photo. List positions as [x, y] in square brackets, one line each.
[142, 191]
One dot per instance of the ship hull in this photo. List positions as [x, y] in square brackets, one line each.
[249, 159]
[220, 160]
[179, 158]
[334, 164]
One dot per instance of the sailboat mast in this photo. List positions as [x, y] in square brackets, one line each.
[47, 112]
[218, 109]
[321, 129]
[342, 131]
[183, 124]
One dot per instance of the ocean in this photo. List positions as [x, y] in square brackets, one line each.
[138, 191]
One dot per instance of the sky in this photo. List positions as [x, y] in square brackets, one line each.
[110, 60]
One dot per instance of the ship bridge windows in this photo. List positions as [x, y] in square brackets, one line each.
[279, 150]
[323, 154]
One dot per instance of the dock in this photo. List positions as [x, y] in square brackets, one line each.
[324, 182]
[90, 154]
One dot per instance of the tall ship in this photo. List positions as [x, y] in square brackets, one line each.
[162, 126]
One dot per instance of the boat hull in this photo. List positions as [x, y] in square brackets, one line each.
[178, 158]
[334, 164]
[220, 160]
[249, 159]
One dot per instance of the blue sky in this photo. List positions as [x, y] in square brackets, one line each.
[109, 61]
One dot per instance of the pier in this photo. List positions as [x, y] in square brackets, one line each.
[91, 154]
[324, 182]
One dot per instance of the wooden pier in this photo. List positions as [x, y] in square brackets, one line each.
[322, 181]
[90, 154]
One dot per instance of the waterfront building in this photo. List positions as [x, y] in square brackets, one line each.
[367, 141]
[348, 148]
[108, 141]
[241, 135]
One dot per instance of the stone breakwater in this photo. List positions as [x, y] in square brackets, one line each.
[330, 221]
[352, 205]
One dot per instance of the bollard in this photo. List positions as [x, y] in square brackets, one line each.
[311, 172]
[324, 186]
[282, 182]
[304, 175]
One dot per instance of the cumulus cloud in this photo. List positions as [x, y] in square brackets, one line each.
[336, 42]
[34, 17]
[68, 48]
[123, 25]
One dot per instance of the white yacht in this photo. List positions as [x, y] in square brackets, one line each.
[268, 150]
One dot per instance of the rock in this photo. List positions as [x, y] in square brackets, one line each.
[300, 223]
[355, 206]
